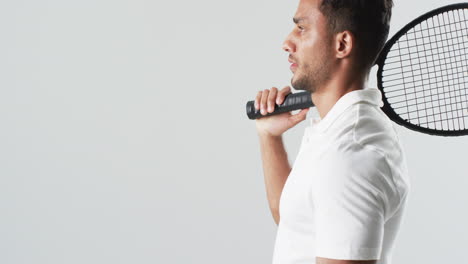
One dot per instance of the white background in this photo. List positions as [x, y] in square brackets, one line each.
[124, 137]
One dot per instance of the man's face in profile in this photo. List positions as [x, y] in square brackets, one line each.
[309, 46]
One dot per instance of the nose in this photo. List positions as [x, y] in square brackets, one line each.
[288, 45]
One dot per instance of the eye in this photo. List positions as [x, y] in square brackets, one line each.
[300, 28]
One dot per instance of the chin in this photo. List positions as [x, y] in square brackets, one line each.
[300, 84]
[294, 80]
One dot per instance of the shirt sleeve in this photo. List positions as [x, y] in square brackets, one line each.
[351, 199]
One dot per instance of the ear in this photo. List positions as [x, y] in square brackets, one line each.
[344, 42]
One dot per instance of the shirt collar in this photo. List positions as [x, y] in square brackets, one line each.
[368, 95]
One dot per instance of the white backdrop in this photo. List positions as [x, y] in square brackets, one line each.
[124, 137]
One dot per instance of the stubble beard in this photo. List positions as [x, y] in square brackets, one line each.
[312, 77]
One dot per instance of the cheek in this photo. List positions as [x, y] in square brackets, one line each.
[312, 44]
[310, 53]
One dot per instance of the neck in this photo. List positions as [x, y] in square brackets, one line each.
[325, 97]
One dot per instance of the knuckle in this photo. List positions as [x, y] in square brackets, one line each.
[272, 96]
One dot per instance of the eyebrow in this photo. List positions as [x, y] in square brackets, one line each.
[298, 19]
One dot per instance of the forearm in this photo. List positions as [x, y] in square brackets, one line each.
[276, 170]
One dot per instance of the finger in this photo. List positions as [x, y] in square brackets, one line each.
[282, 94]
[302, 114]
[263, 101]
[299, 116]
[272, 99]
[257, 100]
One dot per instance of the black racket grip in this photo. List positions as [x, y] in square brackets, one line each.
[292, 101]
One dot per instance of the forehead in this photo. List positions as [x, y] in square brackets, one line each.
[307, 11]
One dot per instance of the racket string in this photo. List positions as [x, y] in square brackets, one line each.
[418, 84]
[425, 96]
[446, 77]
[427, 61]
[466, 73]
[421, 38]
[424, 73]
[458, 117]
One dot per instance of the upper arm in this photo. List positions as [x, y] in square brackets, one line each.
[350, 207]
[340, 261]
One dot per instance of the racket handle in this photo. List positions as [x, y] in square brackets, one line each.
[292, 101]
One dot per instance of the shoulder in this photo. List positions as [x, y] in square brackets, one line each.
[349, 171]
[373, 129]
[365, 134]
[355, 174]
[349, 157]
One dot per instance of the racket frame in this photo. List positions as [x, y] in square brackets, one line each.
[386, 108]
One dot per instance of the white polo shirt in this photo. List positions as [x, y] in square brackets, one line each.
[346, 193]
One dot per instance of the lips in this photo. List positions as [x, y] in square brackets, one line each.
[293, 64]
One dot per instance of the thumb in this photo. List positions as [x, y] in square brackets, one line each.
[299, 116]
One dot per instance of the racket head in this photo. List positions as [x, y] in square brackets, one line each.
[423, 73]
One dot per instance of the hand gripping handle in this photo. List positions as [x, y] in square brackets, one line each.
[292, 101]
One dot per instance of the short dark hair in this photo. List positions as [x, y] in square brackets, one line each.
[368, 20]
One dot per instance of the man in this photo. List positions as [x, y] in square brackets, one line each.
[342, 202]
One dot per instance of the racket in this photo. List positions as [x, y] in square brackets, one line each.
[422, 75]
